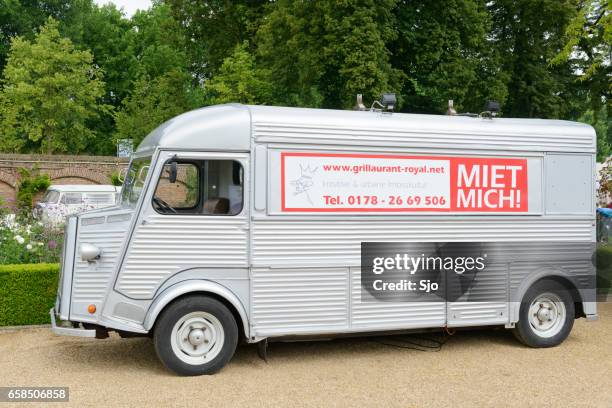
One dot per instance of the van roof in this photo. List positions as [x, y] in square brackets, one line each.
[228, 128]
[84, 188]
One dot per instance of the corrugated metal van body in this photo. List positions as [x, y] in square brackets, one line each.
[167, 245]
[107, 229]
[305, 267]
[350, 129]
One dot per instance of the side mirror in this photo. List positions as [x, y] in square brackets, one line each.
[122, 174]
[173, 172]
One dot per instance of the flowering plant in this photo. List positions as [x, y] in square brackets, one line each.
[54, 215]
[28, 241]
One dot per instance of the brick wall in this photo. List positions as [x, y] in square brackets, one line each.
[61, 170]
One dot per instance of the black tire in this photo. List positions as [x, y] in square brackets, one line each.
[178, 310]
[524, 330]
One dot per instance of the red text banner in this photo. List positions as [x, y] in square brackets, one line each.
[330, 182]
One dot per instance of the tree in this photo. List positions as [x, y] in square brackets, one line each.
[601, 123]
[31, 181]
[23, 17]
[529, 34]
[109, 35]
[588, 48]
[238, 80]
[162, 85]
[544, 58]
[148, 45]
[288, 47]
[214, 28]
[443, 50]
[152, 102]
[358, 33]
[50, 93]
[323, 53]
[159, 43]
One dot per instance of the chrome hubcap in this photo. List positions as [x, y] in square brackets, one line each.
[547, 315]
[197, 338]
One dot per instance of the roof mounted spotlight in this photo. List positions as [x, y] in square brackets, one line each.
[387, 102]
[359, 106]
[491, 109]
[451, 109]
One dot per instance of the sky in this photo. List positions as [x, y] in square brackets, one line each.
[129, 6]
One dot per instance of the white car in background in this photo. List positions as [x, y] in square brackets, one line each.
[63, 200]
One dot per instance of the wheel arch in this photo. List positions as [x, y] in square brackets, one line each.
[201, 287]
[560, 276]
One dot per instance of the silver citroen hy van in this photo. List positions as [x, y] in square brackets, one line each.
[246, 223]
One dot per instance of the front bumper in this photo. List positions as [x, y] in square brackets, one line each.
[69, 331]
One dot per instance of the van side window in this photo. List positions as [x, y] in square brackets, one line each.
[72, 198]
[207, 187]
[99, 198]
[182, 193]
[223, 180]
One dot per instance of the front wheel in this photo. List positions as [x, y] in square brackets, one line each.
[195, 335]
[546, 315]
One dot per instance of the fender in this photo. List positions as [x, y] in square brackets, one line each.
[545, 272]
[190, 286]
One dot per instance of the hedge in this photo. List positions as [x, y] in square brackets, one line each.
[604, 269]
[27, 292]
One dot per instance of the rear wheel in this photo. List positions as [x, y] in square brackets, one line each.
[546, 315]
[195, 335]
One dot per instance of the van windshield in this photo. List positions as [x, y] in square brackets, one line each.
[134, 181]
[51, 197]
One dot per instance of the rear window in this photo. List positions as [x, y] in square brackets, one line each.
[72, 198]
[99, 198]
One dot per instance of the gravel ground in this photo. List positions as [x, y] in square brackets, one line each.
[474, 368]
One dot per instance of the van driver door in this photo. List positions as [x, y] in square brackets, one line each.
[194, 219]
